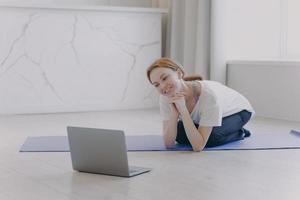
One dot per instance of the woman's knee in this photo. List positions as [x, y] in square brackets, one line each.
[217, 139]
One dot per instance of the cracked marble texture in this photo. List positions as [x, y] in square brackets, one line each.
[66, 60]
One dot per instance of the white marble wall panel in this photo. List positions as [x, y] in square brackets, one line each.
[54, 60]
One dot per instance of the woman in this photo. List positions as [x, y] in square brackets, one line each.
[195, 111]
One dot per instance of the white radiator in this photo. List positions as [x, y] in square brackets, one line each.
[272, 87]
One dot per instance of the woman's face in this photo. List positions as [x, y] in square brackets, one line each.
[165, 80]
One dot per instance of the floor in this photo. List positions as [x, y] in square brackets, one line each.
[263, 174]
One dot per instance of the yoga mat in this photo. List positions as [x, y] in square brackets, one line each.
[133, 143]
[258, 141]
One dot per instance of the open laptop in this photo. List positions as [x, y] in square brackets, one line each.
[100, 151]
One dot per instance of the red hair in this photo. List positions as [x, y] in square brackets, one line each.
[168, 63]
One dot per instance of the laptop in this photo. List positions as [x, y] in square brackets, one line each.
[100, 151]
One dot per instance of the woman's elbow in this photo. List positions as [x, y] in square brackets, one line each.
[169, 145]
[169, 142]
[197, 148]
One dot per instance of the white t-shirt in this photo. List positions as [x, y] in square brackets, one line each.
[215, 102]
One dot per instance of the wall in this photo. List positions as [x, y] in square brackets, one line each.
[61, 59]
[259, 38]
[137, 3]
[253, 30]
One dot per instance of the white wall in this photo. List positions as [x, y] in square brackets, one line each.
[137, 3]
[266, 33]
[129, 3]
[77, 58]
[292, 29]
[253, 30]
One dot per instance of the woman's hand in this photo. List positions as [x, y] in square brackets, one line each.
[177, 102]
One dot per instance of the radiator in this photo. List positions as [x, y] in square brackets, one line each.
[272, 87]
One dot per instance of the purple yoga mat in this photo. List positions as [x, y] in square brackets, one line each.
[256, 141]
[61, 144]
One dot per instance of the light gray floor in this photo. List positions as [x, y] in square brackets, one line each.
[272, 174]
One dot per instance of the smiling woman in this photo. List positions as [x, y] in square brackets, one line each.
[197, 112]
